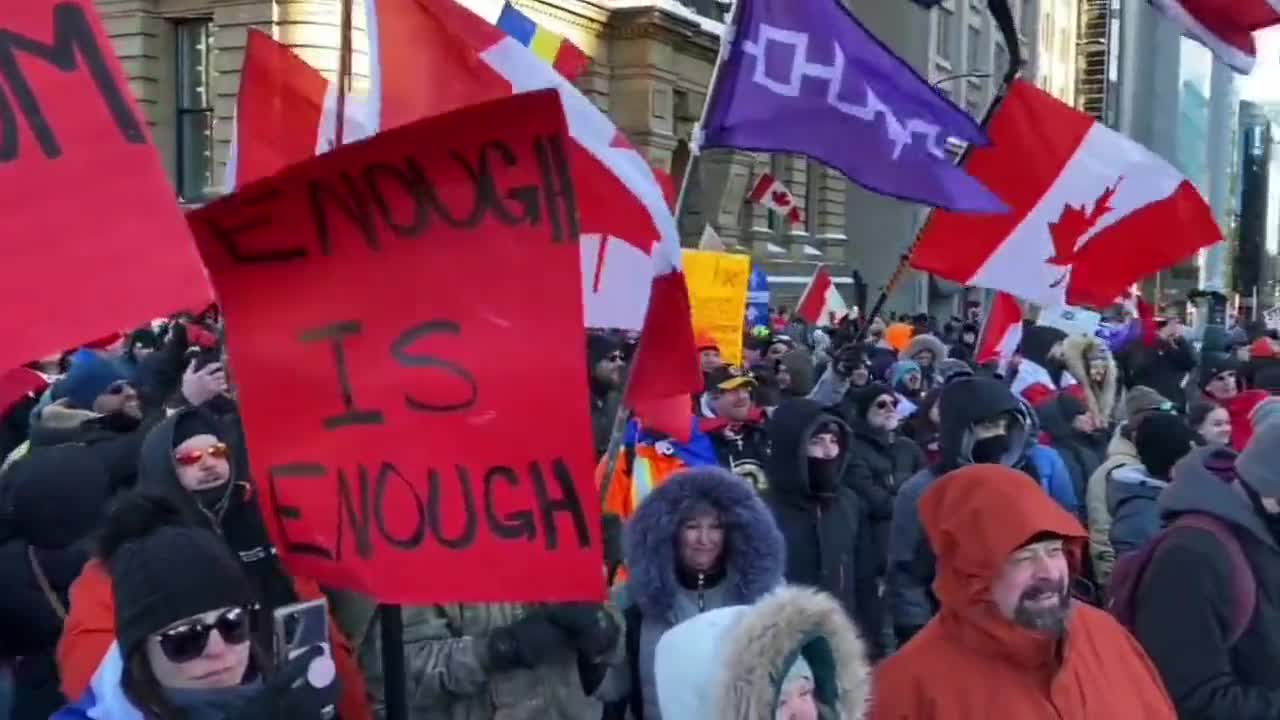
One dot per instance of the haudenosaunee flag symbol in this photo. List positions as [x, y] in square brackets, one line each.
[1001, 331]
[431, 56]
[771, 193]
[821, 304]
[1226, 27]
[808, 78]
[1093, 211]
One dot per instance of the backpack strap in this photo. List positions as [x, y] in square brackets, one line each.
[1244, 586]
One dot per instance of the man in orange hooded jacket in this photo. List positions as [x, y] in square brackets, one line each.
[1009, 642]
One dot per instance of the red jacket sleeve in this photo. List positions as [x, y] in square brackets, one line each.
[88, 632]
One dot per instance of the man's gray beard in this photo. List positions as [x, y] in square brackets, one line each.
[1048, 620]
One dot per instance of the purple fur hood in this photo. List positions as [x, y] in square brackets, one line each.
[754, 547]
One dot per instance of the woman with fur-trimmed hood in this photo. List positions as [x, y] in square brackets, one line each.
[1091, 365]
[702, 541]
[794, 655]
[926, 351]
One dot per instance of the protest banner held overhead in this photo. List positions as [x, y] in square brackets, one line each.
[391, 443]
[66, 114]
[718, 297]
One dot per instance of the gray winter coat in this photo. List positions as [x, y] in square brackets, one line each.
[655, 597]
[1132, 501]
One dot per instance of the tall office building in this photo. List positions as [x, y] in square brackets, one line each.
[1251, 266]
[1098, 61]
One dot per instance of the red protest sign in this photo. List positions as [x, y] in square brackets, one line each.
[404, 321]
[93, 241]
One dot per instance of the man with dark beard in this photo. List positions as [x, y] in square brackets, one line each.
[1009, 641]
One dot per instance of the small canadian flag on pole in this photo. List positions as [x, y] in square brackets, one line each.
[821, 304]
[771, 193]
[1002, 331]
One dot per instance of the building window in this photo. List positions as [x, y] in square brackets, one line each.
[944, 21]
[974, 50]
[195, 110]
[714, 9]
[813, 200]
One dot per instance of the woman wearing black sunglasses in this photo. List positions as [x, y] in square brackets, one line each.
[184, 643]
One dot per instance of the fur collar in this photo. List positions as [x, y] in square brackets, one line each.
[1101, 399]
[755, 546]
[924, 342]
[761, 648]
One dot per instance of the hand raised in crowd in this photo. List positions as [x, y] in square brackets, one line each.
[526, 643]
[201, 386]
[847, 359]
[289, 694]
[592, 629]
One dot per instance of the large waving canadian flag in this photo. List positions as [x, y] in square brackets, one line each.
[1092, 212]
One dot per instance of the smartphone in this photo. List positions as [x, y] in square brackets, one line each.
[298, 627]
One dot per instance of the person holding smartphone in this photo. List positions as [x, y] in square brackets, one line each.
[184, 644]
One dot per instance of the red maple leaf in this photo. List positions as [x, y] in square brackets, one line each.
[1074, 223]
[781, 198]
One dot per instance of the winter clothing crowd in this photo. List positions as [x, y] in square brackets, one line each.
[844, 525]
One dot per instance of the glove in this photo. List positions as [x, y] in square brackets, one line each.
[592, 629]
[849, 358]
[287, 694]
[526, 643]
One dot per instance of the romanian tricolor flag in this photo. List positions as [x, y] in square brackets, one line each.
[561, 54]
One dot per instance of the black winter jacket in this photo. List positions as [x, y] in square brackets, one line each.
[828, 538]
[1183, 604]
[879, 463]
[1161, 368]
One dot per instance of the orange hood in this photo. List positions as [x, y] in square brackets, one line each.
[898, 336]
[975, 517]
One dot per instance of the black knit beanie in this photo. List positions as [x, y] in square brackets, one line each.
[1162, 440]
[194, 423]
[1214, 364]
[170, 574]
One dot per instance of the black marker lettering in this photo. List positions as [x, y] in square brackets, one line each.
[478, 202]
[295, 471]
[567, 503]
[334, 334]
[436, 501]
[553, 163]
[73, 41]
[380, 483]
[519, 525]
[527, 197]
[358, 517]
[226, 236]
[350, 201]
[400, 352]
[385, 179]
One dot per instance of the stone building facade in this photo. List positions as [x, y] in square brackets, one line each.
[651, 64]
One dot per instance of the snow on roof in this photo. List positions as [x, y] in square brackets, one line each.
[671, 7]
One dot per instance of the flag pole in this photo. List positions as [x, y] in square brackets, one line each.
[695, 154]
[1003, 16]
[344, 70]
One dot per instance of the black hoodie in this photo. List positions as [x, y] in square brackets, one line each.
[230, 511]
[828, 537]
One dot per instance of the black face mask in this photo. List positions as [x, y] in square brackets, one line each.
[990, 450]
[824, 475]
[120, 422]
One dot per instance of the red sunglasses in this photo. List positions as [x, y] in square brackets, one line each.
[191, 457]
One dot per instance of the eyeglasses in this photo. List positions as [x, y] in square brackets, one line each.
[186, 642]
[1223, 377]
[116, 388]
[191, 457]
[883, 404]
[615, 357]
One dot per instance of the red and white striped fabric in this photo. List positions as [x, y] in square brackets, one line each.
[771, 193]
[1092, 211]
[1001, 332]
[1226, 27]
[286, 112]
[821, 304]
[432, 56]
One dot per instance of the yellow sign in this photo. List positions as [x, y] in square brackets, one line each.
[718, 297]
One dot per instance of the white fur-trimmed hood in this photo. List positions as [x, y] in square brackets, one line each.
[1101, 399]
[728, 664]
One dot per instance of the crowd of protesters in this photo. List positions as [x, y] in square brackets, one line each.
[846, 524]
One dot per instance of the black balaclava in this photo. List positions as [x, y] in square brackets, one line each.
[824, 475]
[992, 449]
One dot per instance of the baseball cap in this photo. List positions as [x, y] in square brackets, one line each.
[728, 377]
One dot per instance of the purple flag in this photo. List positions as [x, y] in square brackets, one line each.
[807, 77]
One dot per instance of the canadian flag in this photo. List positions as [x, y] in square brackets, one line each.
[1226, 27]
[1091, 211]
[1001, 332]
[286, 112]
[431, 56]
[771, 193]
[821, 304]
